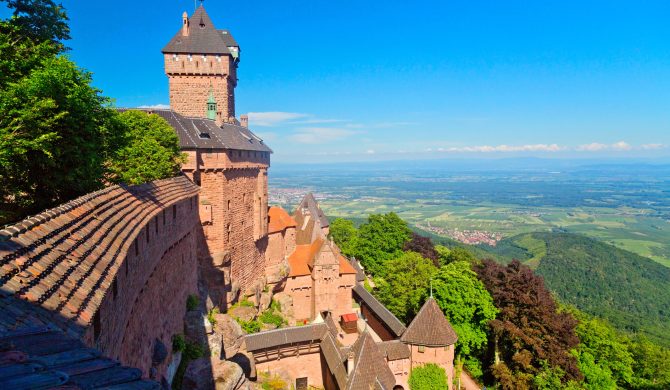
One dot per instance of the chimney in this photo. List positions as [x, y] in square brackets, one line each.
[244, 120]
[350, 363]
[184, 28]
[219, 119]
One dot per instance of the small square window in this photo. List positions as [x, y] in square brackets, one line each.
[422, 348]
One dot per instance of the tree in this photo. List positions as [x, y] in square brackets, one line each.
[403, 288]
[343, 232]
[42, 20]
[467, 305]
[651, 364]
[529, 328]
[53, 133]
[460, 254]
[442, 254]
[149, 151]
[423, 246]
[602, 355]
[379, 240]
[428, 377]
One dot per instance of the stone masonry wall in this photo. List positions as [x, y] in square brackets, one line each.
[147, 299]
[192, 76]
[442, 356]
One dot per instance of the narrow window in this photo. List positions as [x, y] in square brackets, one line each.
[115, 289]
[126, 265]
[137, 247]
[96, 326]
[228, 205]
[147, 233]
[174, 212]
[157, 225]
[163, 217]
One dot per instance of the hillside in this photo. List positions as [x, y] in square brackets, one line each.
[630, 291]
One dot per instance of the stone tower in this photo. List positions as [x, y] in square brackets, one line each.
[200, 59]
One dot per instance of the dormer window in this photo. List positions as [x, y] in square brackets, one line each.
[175, 57]
[204, 58]
[190, 58]
[218, 58]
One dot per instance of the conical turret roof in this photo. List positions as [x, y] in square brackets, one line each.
[430, 327]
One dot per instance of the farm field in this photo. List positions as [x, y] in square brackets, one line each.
[616, 205]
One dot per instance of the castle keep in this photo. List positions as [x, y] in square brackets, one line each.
[111, 273]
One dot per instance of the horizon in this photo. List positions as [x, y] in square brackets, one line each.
[340, 83]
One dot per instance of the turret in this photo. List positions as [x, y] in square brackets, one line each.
[185, 27]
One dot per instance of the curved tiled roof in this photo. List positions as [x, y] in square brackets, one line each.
[389, 320]
[65, 259]
[279, 220]
[40, 358]
[430, 327]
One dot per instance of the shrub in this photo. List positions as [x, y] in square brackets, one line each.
[269, 317]
[251, 326]
[192, 302]
[428, 377]
[178, 343]
[211, 316]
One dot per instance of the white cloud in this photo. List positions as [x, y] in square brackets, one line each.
[370, 151]
[652, 146]
[157, 107]
[319, 135]
[273, 118]
[592, 147]
[504, 148]
[621, 146]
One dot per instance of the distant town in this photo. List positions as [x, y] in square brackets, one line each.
[471, 237]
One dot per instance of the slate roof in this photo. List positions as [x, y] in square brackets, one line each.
[335, 360]
[369, 365]
[190, 132]
[430, 327]
[394, 350]
[203, 37]
[41, 357]
[360, 273]
[309, 203]
[279, 220]
[64, 259]
[391, 321]
[285, 336]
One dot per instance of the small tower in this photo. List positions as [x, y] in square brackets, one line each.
[211, 106]
[201, 59]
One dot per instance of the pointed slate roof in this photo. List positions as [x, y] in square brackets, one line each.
[369, 365]
[310, 203]
[203, 37]
[430, 327]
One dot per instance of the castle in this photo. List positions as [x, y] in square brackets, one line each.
[111, 272]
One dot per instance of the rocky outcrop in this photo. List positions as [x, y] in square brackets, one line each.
[211, 373]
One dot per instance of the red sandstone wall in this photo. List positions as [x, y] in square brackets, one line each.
[300, 289]
[306, 364]
[375, 324]
[344, 294]
[191, 79]
[401, 369]
[152, 284]
[274, 254]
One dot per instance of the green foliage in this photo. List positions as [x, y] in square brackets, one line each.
[211, 316]
[245, 302]
[428, 377]
[272, 382]
[271, 316]
[178, 343]
[149, 151]
[442, 254]
[629, 291]
[53, 136]
[467, 305]
[192, 302]
[191, 352]
[251, 326]
[379, 240]
[651, 364]
[403, 289]
[459, 254]
[344, 233]
[42, 20]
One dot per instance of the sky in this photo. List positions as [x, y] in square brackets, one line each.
[329, 81]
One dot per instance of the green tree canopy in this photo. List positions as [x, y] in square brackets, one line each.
[428, 377]
[403, 288]
[344, 233]
[467, 305]
[459, 254]
[379, 240]
[149, 149]
[651, 364]
[42, 20]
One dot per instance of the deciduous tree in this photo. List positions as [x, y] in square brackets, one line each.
[423, 246]
[428, 377]
[379, 240]
[344, 233]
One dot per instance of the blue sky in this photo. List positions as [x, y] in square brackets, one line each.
[366, 80]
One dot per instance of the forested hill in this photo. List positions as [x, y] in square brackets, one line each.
[630, 291]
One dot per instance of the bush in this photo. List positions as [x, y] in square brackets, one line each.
[251, 326]
[192, 302]
[428, 377]
[269, 317]
[211, 316]
[178, 343]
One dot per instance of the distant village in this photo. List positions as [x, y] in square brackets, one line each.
[472, 237]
